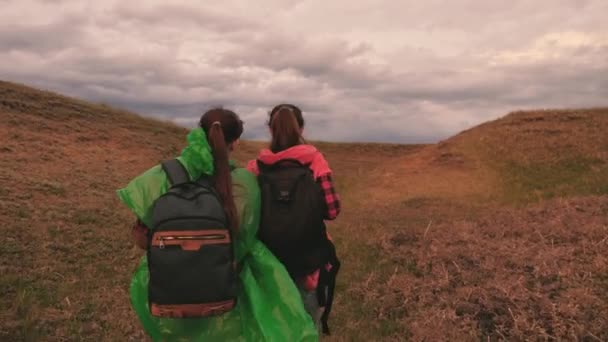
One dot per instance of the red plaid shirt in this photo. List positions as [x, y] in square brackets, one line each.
[332, 199]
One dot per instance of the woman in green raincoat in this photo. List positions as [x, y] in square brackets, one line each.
[269, 307]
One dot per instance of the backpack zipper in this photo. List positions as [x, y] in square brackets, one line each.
[209, 218]
[162, 239]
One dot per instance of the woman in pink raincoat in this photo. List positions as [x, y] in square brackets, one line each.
[286, 125]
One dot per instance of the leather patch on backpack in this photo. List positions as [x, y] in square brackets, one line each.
[191, 310]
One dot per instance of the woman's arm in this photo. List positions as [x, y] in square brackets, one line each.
[140, 235]
[332, 199]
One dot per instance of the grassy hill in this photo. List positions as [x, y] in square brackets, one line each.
[541, 154]
[497, 233]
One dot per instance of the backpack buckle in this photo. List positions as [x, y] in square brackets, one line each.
[284, 196]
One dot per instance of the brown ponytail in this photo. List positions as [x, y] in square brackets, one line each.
[222, 128]
[286, 123]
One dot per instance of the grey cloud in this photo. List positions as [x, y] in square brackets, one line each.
[172, 14]
[176, 61]
[42, 38]
[279, 52]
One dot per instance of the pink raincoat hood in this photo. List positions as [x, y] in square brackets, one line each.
[305, 154]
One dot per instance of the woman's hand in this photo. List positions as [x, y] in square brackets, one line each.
[140, 235]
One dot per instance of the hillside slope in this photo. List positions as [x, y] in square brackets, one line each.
[521, 158]
[67, 257]
[431, 243]
[541, 154]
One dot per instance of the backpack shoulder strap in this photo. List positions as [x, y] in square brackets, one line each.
[327, 282]
[175, 171]
[261, 166]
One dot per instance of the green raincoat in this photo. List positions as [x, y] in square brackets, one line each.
[269, 306]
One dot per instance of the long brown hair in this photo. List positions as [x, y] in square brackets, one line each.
[286, 123]
[223, 127]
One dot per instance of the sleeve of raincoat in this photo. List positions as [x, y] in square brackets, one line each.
[143, 190]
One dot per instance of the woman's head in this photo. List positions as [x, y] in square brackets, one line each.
[223, 128]
[286, 126]
[230, 123]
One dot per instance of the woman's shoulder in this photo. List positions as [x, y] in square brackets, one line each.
[141, 192]
[244, 178]
[241, 173]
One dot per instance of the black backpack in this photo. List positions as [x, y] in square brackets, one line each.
[293, 227]
[292, 224]
[190, 251]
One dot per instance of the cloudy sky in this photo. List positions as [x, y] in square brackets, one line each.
[400, 71]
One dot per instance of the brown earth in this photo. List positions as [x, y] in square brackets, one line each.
[498, 233]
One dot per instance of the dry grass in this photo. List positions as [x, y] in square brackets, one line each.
[490, 273]
[496, 234]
